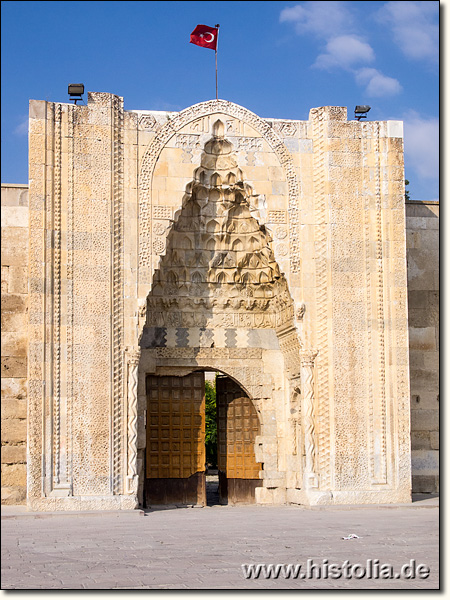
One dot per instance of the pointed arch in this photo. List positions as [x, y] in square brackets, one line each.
[218, 129]
[231, 179]
[183, 242]
[237, 245]
[172, 277]
[212, 226]
[216, 180]
[196, 277]
[182, 119]
[222, 277]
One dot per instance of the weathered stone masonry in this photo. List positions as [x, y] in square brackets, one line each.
[289, 236]
[422, 242]
[14, 217]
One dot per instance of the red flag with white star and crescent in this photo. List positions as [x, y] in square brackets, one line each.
[204, 36]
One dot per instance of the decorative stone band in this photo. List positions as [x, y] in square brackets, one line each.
[307, 358]
[208, 337]
[116, 282]
[320, 118]
[132, 359]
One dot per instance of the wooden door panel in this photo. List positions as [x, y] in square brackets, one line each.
[238, 426]
[176, 439]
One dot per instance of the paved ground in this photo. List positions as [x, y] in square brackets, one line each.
[204, 548]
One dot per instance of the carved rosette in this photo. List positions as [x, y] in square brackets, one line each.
[133, 365]
[307, 358]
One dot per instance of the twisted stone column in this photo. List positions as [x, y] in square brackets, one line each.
[294, 419]
[133, 364]
[308, 417]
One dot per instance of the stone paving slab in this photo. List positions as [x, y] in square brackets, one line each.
[204, 548]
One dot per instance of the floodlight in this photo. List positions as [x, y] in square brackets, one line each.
[361, 111]
[75, 91]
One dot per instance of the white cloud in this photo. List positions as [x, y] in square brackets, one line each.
[345, 51]
[22, 127]
[333, 22]
[414, 26]
[377, 84]
[324, 19]
[421, 137]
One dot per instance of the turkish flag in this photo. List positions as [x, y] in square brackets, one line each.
[204, 36]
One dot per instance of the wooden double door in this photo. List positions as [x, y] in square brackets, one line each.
[176, 457]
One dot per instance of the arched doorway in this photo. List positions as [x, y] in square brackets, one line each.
[218, 300]
[176, 462]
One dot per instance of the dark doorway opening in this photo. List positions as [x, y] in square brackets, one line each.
[212, 472]
[212, 487]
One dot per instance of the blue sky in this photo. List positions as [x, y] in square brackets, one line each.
[278, 59]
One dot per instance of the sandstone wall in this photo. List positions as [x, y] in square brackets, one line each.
[14, 222]
[422, 231]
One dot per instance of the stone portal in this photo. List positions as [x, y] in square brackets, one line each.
[273, 251]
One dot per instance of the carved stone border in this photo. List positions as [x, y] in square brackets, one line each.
[322, 293]
[378, 417]
[70, 290]
[117, 465]
[56, 321]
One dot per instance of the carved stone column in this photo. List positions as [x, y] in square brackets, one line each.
[310, 478]
[133, 364]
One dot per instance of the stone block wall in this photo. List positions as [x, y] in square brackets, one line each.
[14, 223]
[422, 235]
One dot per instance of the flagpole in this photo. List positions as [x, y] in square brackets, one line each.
[217, 44]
